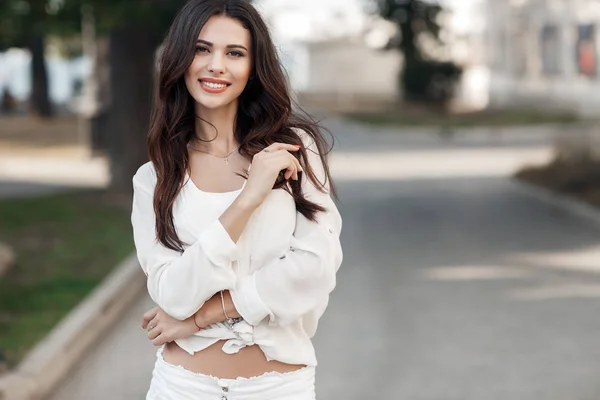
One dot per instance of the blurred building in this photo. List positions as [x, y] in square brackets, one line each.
[341, 73]
[544, 53]
[332, 50]
[323, 48]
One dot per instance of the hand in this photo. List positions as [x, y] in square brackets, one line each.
[266, 166]
[162, 328]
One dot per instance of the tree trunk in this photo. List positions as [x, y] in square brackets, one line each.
[40, 102]
[131, 82]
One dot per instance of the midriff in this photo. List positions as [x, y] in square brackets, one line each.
[250, 361]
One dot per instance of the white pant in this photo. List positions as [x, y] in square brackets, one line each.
[173, 382]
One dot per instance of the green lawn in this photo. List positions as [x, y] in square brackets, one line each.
[419, 117]
[65, 245]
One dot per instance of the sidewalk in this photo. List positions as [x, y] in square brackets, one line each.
[26, 171]
[120, 367]
[41, 156]
[26, 133]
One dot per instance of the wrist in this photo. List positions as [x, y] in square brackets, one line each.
[196, 323]
[200, 319]
[211, 312]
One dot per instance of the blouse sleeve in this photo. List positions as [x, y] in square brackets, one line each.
[288, 287]
[179, 282]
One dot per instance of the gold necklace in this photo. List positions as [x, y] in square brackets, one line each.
[226, 158]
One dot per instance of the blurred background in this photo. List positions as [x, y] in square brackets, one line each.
[466, 156]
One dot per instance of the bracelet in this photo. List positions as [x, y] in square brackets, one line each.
[223, 306]
[195, 323]
[229, 321]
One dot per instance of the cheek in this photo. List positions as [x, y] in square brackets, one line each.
[193, 69]
[242, 71]
[189, 82]
[191, 74]
[187, 76]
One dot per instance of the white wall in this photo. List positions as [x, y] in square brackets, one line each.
[348, 69]
[517, 74]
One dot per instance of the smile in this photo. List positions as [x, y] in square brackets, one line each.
[213, 87]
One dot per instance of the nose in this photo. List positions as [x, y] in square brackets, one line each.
[217, 64]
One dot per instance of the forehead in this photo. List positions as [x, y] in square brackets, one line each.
[222, 31]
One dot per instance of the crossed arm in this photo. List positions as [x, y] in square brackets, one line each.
[162, 328]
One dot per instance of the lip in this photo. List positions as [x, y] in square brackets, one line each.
[213, 90]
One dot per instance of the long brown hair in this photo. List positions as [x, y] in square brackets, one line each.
[264, 114]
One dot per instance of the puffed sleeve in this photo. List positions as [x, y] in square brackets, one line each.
[288, 287]
[179, 282]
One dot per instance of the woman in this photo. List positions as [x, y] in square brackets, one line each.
[233, 220]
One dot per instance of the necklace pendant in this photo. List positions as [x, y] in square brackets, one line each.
[227, 160]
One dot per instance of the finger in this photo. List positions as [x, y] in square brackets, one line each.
[152, 324]
[284, 162]
[290, 172]
[294, 167]
[153, 333]
[145, 321]
[298, 166]
[148, 316]
[282, 146]
[158, 341]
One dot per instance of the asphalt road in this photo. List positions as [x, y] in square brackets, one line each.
[456, 285]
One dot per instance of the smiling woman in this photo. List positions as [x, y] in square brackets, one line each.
[233, 218]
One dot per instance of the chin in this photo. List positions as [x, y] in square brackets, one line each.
[212, 103]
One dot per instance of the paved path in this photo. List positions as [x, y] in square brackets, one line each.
[456, 285]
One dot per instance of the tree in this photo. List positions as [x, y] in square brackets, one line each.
[25, 24]
[423, 77]
[135, 29]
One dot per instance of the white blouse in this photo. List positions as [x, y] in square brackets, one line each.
[279, 273]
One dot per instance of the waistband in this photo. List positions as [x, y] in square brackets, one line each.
[265, 386]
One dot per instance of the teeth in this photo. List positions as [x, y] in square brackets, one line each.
[214, 85]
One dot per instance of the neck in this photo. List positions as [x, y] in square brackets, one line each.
[214, 131]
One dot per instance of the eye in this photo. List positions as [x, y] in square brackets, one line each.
[236, 53]
[201, 49]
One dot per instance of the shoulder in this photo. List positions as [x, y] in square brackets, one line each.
[145, 177]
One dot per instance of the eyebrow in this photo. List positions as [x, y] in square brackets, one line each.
[229, 46]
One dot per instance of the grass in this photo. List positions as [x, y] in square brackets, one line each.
[419, 117]
[65, 245]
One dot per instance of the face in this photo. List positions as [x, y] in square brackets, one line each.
[222, 64]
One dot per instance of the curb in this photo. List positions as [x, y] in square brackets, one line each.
[569, 204]
[53, 358]
[86, 172]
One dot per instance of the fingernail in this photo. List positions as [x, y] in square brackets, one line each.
[297, 146]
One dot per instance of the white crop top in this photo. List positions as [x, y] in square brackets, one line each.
[280, 272]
